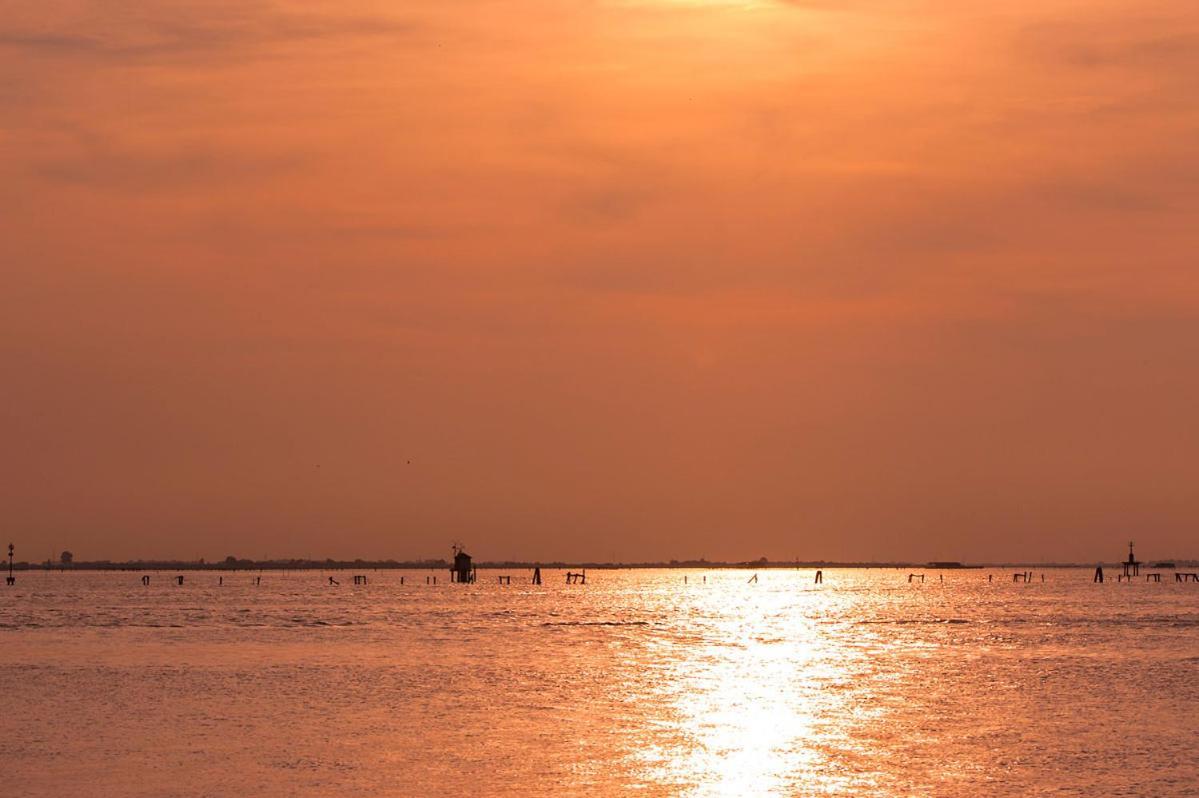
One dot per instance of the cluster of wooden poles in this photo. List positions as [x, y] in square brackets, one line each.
[580, 578]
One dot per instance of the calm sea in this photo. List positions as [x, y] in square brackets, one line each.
[633, 684]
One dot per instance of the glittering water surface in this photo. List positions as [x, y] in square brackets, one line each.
[636, 682]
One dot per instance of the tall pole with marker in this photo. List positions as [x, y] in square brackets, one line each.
[12, 580]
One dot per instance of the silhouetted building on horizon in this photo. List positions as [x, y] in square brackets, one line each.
[461, 570]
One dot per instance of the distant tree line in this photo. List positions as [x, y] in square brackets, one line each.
[231, 563]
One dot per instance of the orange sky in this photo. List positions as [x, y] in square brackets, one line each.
[599, 278]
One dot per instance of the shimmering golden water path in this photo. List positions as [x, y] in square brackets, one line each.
[635, 683]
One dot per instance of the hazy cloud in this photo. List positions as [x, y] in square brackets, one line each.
[1157, 44]
[135, 33]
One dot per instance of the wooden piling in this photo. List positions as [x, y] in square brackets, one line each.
[820, 577]
[1098, 574]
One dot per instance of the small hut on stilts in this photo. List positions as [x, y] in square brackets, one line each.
[462, 570]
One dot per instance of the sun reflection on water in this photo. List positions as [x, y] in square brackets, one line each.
[760, 700]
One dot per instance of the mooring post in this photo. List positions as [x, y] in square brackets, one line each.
[1098, 574]
[220, 581]
[401, 581]
[990, 577]
[537, 575]
[820, 577]
[146, 580]
[753, 579]
[179, 579]
[11, 580]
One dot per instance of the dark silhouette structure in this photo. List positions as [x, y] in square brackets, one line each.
[1131, 566]
[462, 570]
[11, 580]
[537, 575]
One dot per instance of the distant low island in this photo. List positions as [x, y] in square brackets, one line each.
[67, 562]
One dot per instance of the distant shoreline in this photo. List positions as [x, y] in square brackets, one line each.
[438, 565]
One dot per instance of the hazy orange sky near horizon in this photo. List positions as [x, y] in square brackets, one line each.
[627, 279]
